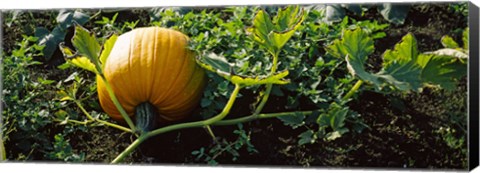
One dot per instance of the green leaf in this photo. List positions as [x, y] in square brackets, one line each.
[66, 18]
[49, 39]
[401, 67]
[262, 26]
[334, 13]
[355, 46]
[45, 81]
[405, 51]
[84, 63]
[107, 48]
[273, 35]
[395, 14]
[296, 120]
[356, 43]
[287, 18]
[444, 71]
[448, 42]
[67, 52]
[338, 117]
[86, 44]
[334, 117]
[423, 59]
[78, 61]
[307, 137]
[402, 76]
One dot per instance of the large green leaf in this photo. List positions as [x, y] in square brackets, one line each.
[400, 66]
[262, 26]
[86, 45]
[355, 46]
[356, 43]
[403, 76]
[405, 51]
[287, 18]
[273, 35]
[444, 71]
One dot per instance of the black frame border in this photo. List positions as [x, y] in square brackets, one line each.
[473, 89]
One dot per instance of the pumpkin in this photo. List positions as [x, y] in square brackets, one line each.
[153, 75]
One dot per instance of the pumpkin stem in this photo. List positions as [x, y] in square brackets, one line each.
[145, 117]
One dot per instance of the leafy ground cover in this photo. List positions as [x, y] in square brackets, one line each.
[389, 120]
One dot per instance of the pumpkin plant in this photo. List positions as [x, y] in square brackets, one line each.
[125, 67]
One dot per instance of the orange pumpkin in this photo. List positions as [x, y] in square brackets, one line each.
[152, 65]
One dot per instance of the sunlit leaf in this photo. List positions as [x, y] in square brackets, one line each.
[400, 65]
[356, 43]
[405, 51]
[86, 44]
[107, 48]
[67, 52]
[274, 34]
[76, 60]
[448, 42]
[84, 63]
